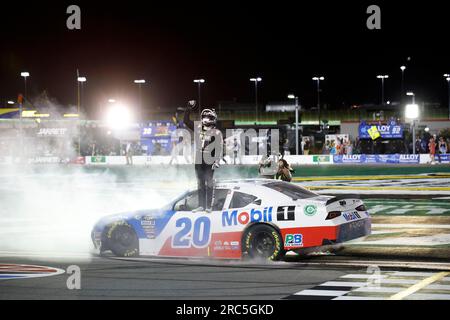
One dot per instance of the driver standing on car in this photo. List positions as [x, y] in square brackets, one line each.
[208, 145]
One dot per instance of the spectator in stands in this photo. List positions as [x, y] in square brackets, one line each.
[306, 146]
[286, 146]
[357, 149]
[442, 147]
[129, 153]
[348, 148]
[92, 149]
[423, 145]
[332, 147]
[236, 151]
[417, 145]
[432, 148]
[326, 147]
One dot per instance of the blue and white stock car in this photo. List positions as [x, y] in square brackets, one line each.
[250, 218]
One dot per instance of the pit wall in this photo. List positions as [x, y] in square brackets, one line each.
[293, 160]
[246, 160]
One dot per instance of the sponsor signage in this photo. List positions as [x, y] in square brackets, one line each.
[409, 158]
[158, 129]
[238, 217]
[44, 132]
[293, 240]
[98, 159]
[321, 158]
[392, 130]
[354, 158]
[350, 216]
[37, 160]
[377, 158]
[310, 209]
[444, 158]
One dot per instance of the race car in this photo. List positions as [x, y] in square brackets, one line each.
[256, 218]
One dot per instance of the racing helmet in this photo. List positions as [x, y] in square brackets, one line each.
[208, 117]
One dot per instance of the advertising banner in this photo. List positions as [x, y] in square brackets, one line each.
[321, 159]
[392, 130]
[156, 137]
[354, 158]
[98, 159]
[442, 158]
[377, 158]
[409, 158]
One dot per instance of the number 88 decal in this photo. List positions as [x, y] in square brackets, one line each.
[200, 236]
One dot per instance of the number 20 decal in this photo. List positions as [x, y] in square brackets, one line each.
[200, 236]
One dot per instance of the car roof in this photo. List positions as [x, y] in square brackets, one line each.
[242, 182]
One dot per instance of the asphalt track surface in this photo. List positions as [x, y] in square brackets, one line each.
[104, 278]
[322, 278]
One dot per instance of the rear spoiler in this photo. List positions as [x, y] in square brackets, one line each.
[342, 197]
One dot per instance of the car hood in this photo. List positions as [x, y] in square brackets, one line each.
[137, 215]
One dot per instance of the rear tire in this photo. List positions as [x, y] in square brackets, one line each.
[122, 240]
[263, 242]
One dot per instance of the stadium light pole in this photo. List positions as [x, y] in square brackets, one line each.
[403, 68]
[199, 83]
[256, 80]
[291, 96]
[80, 81]
[412, 113]
[382, 77]
[25, 75]
[447, 77]
[411, 94]
[140, 82]
[318, 79]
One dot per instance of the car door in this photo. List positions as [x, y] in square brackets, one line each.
[245, 208]
[190, 233]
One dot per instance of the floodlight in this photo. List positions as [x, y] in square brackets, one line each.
[412, 111]
[119, 117]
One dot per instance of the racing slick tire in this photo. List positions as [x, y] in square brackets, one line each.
[263, 242]
[122, 240]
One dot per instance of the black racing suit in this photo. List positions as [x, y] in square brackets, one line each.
[204, 152]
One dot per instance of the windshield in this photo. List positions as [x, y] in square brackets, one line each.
[290, 190]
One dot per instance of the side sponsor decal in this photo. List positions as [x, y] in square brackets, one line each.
[310, 209]
[293, 240]
[350, 216]
[148, 224]
[243, 217]
[286, 213]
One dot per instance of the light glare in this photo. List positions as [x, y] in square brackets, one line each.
[118, 117]
[412, 111]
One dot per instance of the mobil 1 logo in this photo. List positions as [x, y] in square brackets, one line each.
[286, 213]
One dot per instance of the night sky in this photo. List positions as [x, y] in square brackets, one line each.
[171, 43]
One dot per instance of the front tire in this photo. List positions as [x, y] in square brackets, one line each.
[263, 242]
[122, 240]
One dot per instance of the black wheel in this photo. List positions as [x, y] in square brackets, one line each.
[122, 240]
[263, 242]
